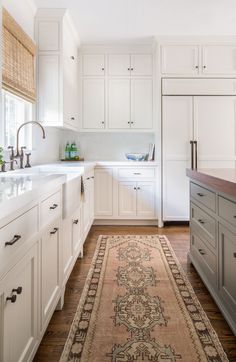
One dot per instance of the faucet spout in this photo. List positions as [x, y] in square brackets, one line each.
[18, 133]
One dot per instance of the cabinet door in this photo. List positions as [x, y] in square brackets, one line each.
[119, 64]
[227, 268]
[70, 81]
[48, 90]
[93, 65]
[214, 129]
[76, 232]
[103, 192]
[177, 132]
[180, 59]
[127, 199]
[67, 247]
[85, 208]
[119, 103]
[91, 198]
[145, 199]
[50, 272]
[141, 65]
[93, 103]
[219, 60]
[18, 319]
[141, 103]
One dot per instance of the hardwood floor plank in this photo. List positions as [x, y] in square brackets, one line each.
[55, 337]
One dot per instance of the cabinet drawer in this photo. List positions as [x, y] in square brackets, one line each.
[16, 233]
[205, 222]
[136, 172]
[204, 196]
[50, 208]
[205, 258]
[227, 210]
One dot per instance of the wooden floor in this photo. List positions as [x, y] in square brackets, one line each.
[58, 329]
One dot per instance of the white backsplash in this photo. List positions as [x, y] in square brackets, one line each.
[108, 146]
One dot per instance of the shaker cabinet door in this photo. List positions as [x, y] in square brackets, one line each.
[180, 59]
[93, 65]
[93, 103]
[119, 103]
[219, 60]
[141, 103]
[127, 199]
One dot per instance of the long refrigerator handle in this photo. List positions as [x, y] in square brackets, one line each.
[195, 154]
[192, 156]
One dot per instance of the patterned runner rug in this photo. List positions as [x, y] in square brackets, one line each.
[137, 305]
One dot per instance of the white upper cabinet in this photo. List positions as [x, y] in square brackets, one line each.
[141, 65]
[130, 65]
[201, 60]
[119, 103]
[180, 59]
[219, 59]
[119, 65]
[93, 65]
[141, 103]
[93, 103]
[57, 69]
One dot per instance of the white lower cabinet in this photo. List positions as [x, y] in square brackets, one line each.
[103, 189]
[136, 199]
[18, 309]
[88, 202]
[50, 271]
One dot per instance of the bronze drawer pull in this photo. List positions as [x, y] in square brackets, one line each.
[12, 298]
[54, 231]
[234, 254]
[137, 173]
[14, 240]
[54, 206]
[17, 290]
[75, 221]
[201, 252]
[201, 221]
[200, 194]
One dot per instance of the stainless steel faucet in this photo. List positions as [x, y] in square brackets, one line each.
[18, 154]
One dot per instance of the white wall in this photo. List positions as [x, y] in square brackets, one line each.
[108, 146]
[23, 11]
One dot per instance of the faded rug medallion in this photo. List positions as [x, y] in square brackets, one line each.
[137, 305]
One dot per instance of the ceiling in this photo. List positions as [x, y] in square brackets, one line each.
[125, 20]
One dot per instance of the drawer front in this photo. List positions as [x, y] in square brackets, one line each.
[227, 210]
[16, 233]
[204, 196]
[50, 208]
[205, 258]
[139, 172]
[205, 222]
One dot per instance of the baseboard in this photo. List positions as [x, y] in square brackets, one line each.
[125, 222]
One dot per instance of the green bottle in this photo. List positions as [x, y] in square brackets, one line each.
[73, 151]
[1, 155]
[67, 151]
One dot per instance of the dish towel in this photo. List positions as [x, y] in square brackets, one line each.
[82, 190]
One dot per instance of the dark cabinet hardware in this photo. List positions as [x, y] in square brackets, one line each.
[72, 118]
[132, 122]
[72, 57]
[103, 68]
[12, 298]
[131, 68]
[92, 177]
[137, 173]
[75, 221]
[17, 290]
[201, 221]
[195, 144]
[196, 66]
[138, 188]
[54, 206]
[129, 122]
[13, 240]
[201, 252]
[135, 188]
[204, 66]
[191, 143]
[54, 231]
[235, 216]
[128, 68]
[200, 194]
[234, 254]
[88, 178]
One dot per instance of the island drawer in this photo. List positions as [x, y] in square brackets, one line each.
[16, 233]
[203, 195]
[51, 208]
[138, 172]
[227, 210]
[206, 223]
[205, 258]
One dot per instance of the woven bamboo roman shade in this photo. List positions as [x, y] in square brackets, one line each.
[18, 66]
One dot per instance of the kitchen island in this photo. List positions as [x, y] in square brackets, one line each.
[213, 234]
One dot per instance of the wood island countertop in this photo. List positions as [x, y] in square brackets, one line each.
[222, 179]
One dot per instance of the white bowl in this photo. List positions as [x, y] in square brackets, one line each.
[136, 156]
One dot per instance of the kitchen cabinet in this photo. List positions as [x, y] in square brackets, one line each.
[50, 271]
[77, 233]
[119, 104]
[130, 65]
[198, 60]
[88, 202]
[18, 309]
[103, 189]
[206, 120]
[93, 91]
[136, 199]
[57, 69]
[130, 104]
[93, 64]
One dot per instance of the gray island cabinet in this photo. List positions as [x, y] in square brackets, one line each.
[213, 235]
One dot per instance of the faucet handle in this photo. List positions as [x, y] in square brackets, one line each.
[22, 148]
[3, 166]
[28, 160]
[12, 164]
[12, 151]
